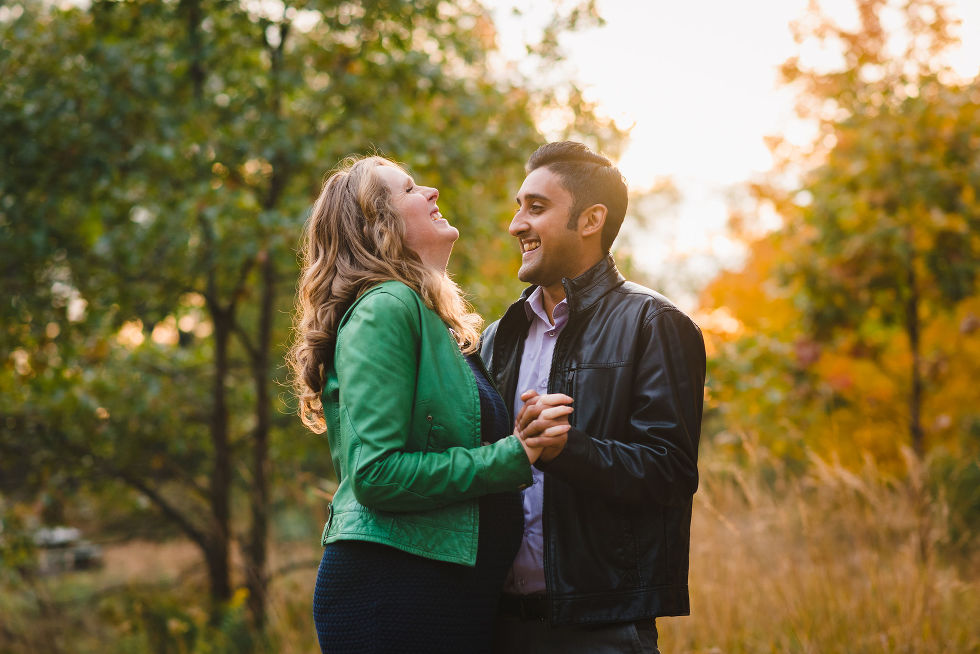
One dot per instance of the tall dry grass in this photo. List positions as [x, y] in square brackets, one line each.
[825, 561]
[820, 560]
[782, 560]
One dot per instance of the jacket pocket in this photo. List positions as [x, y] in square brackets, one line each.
[431, 427]
[423, 426]
[569, 389]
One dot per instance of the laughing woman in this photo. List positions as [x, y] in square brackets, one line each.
[427, 516]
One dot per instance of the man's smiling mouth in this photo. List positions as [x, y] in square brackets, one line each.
[529, 245]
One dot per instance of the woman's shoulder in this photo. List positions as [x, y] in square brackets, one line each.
[394, 289]
[390, 297]
[393, 293]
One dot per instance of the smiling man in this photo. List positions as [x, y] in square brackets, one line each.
[607, 520]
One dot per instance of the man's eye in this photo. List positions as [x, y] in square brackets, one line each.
[536, 208]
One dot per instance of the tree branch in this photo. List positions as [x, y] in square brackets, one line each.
[164, 506]
[253, 353]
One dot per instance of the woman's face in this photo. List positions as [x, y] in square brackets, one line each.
[427, 233]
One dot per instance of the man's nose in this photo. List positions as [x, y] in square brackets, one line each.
[517, 225]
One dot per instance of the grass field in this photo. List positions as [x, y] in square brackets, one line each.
[826, 561]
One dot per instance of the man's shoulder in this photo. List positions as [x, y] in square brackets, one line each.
[647, 303]
[633, 294]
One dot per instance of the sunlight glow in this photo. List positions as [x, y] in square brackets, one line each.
[699, 82]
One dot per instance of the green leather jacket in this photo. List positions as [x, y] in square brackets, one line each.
[403, 421]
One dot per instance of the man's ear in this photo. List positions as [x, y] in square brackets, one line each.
[592, 220]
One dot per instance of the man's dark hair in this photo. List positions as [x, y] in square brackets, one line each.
[590, 178]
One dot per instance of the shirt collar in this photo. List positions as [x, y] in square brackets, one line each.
[534, 307]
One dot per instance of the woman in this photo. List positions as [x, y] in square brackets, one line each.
[427, 516]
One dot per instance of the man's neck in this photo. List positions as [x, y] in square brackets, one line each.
[550, 297]
[555, 293]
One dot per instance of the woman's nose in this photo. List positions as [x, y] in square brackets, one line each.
[433, 194]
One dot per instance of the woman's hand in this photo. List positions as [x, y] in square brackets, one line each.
[542, 424]
[533, 453]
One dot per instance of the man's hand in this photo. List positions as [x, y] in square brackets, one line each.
[542, 424]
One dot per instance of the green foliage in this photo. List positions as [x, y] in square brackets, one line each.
[158, 161]
[894, 213]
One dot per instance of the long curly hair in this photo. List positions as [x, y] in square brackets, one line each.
[353, 240]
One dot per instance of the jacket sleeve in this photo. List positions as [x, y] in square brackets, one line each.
[377, 363]
[656, 459]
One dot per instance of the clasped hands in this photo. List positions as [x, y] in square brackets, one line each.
[542, 424]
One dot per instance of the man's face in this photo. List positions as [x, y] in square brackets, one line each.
[549, 250]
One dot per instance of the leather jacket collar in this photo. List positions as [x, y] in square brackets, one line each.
[586, 289]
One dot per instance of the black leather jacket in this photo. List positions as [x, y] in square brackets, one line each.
[617, 500]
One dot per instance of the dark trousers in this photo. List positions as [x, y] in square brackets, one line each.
[513, 635]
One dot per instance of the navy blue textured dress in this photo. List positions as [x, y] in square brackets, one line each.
[375, 598]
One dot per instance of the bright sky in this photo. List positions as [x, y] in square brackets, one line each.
[698, 82]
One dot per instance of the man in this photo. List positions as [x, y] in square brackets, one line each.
[607, 520]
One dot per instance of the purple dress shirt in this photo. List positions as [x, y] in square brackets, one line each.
[527, 574]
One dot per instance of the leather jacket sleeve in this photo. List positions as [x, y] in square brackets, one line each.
[381, 447]
[655, 459]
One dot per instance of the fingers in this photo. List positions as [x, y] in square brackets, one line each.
[540, 406]
[549, 437]
[539, 427]
[519, 420]
[536, 419]
[555, 412]
[528, 394]
[553, 399]
[530, 398]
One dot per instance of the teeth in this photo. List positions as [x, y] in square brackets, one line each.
[436, 215]
[529, 246]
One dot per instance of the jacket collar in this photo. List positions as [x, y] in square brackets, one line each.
[586, 289]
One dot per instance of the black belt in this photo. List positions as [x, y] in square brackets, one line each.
[525, 607]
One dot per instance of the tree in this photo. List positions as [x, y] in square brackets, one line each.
[880, 236]
[158, 160]
[894, 204]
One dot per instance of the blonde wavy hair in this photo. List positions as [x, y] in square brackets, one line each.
[353, 240]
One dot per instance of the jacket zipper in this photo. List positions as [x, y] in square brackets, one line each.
[549, 581]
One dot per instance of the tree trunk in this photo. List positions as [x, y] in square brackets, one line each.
[256, 575]
[912, 330]
[256, 551]
[195, 69]
[220, 489]
[218, 537]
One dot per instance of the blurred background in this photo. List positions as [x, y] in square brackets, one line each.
[805, 183]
